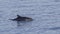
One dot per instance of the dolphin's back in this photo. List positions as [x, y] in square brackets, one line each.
[20, 18]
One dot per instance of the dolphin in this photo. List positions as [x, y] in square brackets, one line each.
[20, 18]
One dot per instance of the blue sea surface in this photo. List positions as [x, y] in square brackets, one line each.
[45, 14]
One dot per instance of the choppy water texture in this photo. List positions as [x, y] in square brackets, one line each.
[46, 15]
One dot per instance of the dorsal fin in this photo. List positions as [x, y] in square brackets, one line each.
[18, 16]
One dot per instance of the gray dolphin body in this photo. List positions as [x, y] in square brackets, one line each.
[20, 18]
